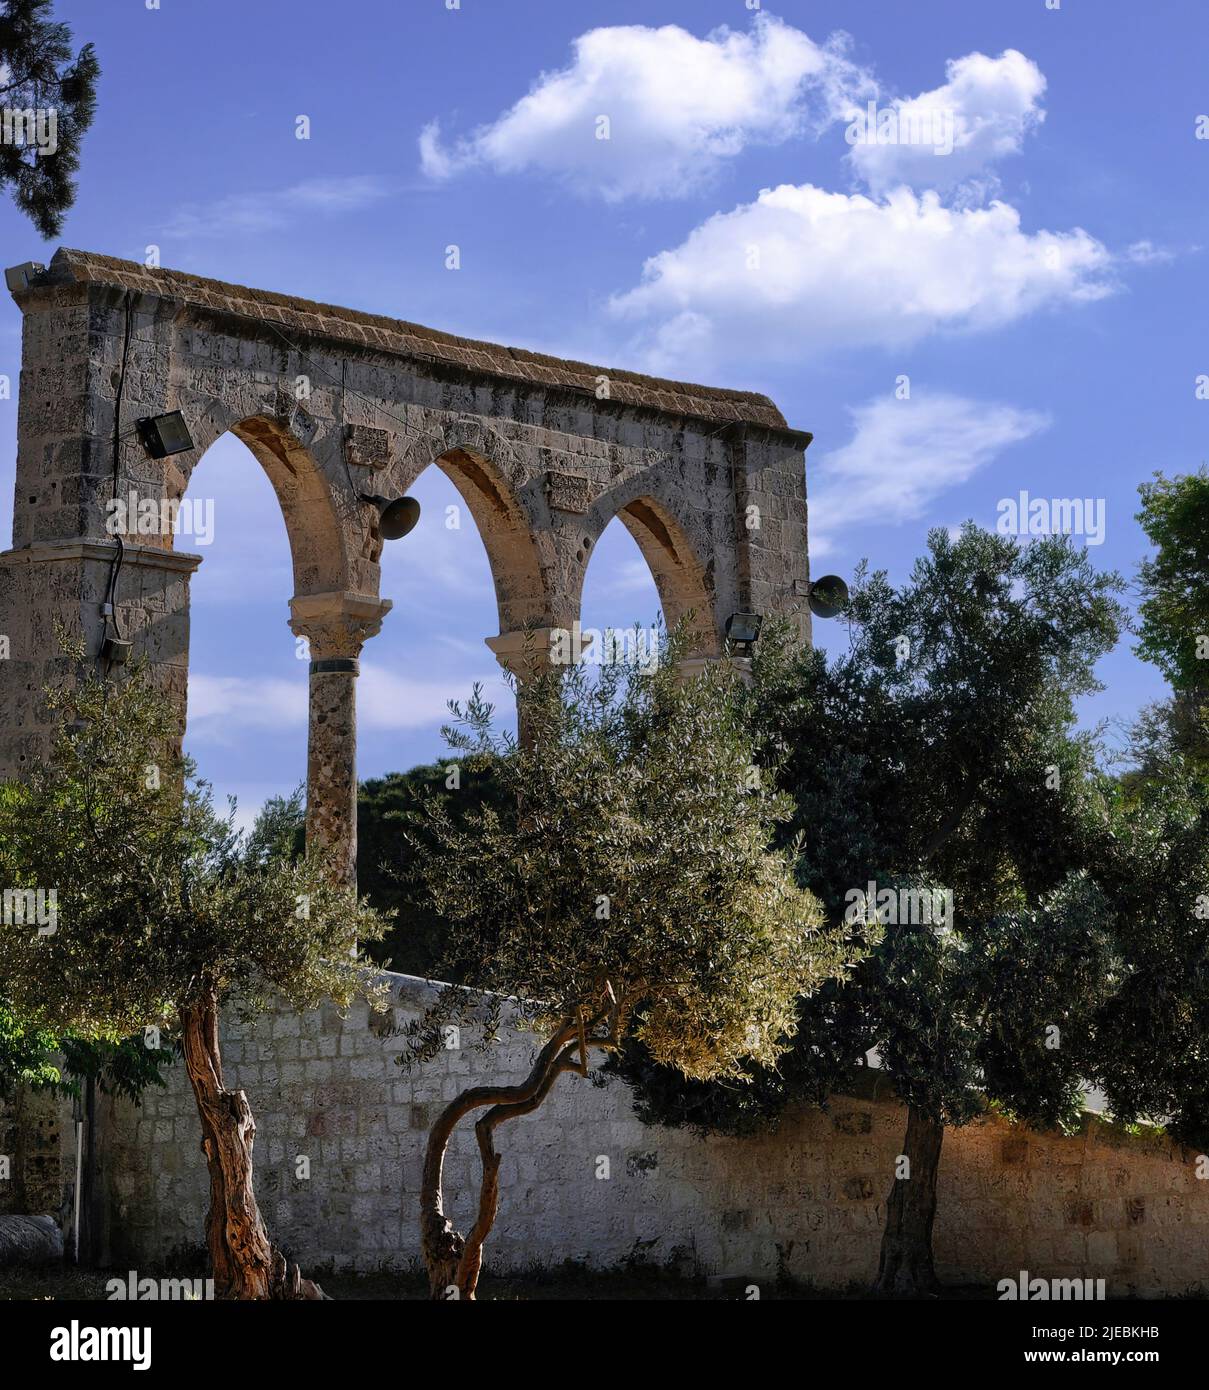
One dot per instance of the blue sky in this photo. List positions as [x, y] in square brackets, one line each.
[1042, 285]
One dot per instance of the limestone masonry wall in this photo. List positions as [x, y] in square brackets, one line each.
[806, 1202]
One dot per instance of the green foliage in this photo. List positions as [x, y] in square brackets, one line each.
[31, 1057]
[1153, 1043]
[623, 870]
[387, 860]
[160, 900]
[26, 1055]
[1153, 1031]
[278, 831]
[1175, 580]
[36, 55]
[414, 942]
[1174, 629]
[938, 753]
[125, 1068]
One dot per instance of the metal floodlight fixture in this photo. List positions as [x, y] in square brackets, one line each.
[828, 596]
[397, 517]
[163, 435]
[743, 628]
[19, 277]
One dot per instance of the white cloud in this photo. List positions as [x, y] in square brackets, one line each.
[1147, 253]
[980, 115]
[629, 577]
[801, 272]
[386, 700]
[221, 706]
[677, 106]
[267, 210]
[902, 456]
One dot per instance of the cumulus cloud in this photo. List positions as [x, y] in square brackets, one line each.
[944, 137]
[802, 271]
[902, 455]
[676, 106]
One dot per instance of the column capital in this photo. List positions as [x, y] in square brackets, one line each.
[337, 624]
[524, 652]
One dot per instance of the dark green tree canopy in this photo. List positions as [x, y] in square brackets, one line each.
[387, 860]
[1153, 1031]
[38, 77]
[1175, 580]
[1174, 628]
[417, 940]
[938, 752]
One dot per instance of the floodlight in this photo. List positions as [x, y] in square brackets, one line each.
[163, 435]
[19, 277]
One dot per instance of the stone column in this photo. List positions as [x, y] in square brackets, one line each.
[524, 654]
[336, 625]
[693, 666]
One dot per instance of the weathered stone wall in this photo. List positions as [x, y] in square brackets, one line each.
[37, 1138]
[806, 1202]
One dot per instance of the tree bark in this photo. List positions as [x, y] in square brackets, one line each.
[244, 1262]
[453, 1260]
[906, 1268]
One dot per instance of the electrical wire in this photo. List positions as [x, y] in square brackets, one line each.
[109, 609]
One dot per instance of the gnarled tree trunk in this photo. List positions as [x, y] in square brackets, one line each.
[906, 1267]
[246, 1265]
[453, 1260]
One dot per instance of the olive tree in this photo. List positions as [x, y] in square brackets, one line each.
[621, 886]
[947, 814]
[163, 915]
[1154, 1031]
[1153, 1048]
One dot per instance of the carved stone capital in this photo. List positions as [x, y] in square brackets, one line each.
[337, 624]
[523, 653]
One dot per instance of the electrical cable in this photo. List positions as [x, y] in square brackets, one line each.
[109, 606]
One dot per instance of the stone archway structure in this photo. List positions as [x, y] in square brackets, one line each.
[334, 403]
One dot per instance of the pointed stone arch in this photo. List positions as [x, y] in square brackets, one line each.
[683, 581]
[323, 544]
[337, 404]
[490, 477]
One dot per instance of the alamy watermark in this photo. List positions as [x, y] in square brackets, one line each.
[903, 125]
[894, 907]
[30, 127]
[1052, 516]
[1026, 1290]
[28, 907]
[576, 646]
[161, 516]
[81, 1342]
[133, 1289]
